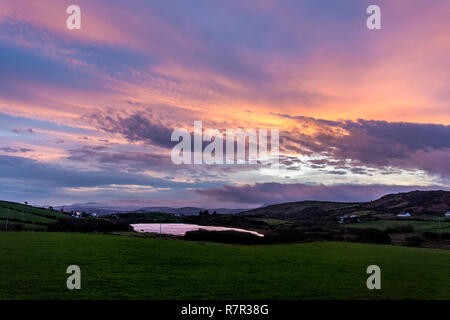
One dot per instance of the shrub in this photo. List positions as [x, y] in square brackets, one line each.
[414, 241]
[234, 237]
[400, 229]
[445, 236]
[317, 236]
[371, 235]
[16, 227]
[87, 225]
[431, 236]
[286, 235]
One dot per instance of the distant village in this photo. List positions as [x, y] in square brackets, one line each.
[77, 214]
[363, 218]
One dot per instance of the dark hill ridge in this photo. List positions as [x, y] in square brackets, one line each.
[418, 203]
[104, 209]
[415, 202]
[303, 210]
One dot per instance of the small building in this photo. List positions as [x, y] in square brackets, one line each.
[447, 214]
[76, 214]
[404, 214]
[349, 219]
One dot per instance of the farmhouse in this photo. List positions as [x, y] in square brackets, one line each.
[404, 214]
[76, 214]
[349, 219]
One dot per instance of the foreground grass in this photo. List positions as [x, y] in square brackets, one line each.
[33, 266]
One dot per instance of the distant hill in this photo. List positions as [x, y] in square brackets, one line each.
[415, 202]
[93, 207]
[303, 210]
[418, 203]
[187, 211]
[102, 209]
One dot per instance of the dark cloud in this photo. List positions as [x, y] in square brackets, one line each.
[134, 161]
[23, 179]
[380, 144]
[14, 150]
[355, 146]
[135, 127]
[26, 171]
[270, 193]
[337, 172]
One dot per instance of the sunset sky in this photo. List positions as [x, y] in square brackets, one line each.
[86, 115]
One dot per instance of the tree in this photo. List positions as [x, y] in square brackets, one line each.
[203, 213]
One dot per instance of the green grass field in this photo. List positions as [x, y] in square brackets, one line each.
[27, 216]
[419, 226]
[33, 266]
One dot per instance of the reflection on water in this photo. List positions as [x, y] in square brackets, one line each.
[180, 229]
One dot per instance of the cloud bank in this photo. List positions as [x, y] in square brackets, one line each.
[271, 193]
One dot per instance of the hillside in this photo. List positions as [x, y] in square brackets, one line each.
[25, 217]
[416, 202]
[303, 210]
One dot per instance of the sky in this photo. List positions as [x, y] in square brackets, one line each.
[87, 115]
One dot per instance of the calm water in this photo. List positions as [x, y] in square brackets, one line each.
[180, 229]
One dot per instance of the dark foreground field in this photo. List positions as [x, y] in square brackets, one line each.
[33, 266]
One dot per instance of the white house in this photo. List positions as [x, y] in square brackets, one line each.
[407, 214]
[349, 219]
[76, 214]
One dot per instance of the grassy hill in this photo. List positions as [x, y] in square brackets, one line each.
[118, 267]
[27, 217]
[419, 203]
[303, 210]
